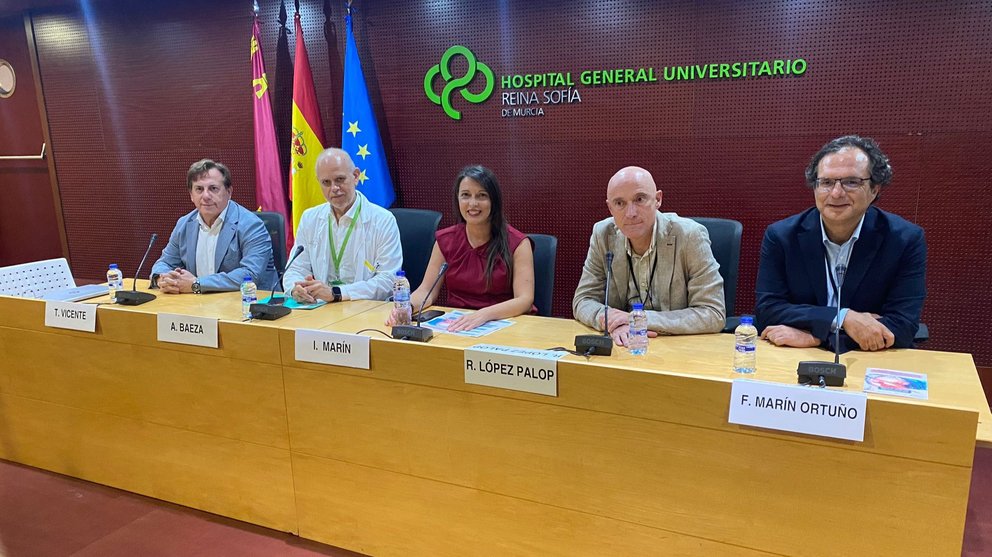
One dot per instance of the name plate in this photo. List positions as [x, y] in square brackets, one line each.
[69, 315]
[187, 329]
[339, 349]
[518, 369]
[799, 409]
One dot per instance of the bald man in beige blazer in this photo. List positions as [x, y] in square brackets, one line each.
[659, 259]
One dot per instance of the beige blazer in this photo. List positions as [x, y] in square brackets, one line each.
[687, 283]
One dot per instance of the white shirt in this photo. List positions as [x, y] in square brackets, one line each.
[206, 244]
[837, 255]
[370, 259]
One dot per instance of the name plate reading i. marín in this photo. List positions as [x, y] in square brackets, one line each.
[338, 349]
[810, 410]
[518, 369]
[70, 315]
[187, 329]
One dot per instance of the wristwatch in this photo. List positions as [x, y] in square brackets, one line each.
[196, 287]
[336, 291]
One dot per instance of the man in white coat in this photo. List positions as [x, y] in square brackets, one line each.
[351, 246]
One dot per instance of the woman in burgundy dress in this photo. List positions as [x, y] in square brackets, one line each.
[490, 263]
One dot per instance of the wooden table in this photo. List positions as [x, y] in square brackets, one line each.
[634, 456]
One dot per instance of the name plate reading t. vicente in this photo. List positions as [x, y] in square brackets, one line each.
[338, 349]
[519, 369]
[69, 315]
[187, 329]
[810, 410]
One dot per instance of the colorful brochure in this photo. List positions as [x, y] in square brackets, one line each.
[898, 383]
[441, 324]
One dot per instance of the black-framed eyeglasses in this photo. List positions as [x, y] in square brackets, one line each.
[849, 184]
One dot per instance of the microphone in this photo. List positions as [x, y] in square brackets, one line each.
[420, 313]
[599, 345]
[417, 333]
[133, 297]
[275, 309]
[826, 374]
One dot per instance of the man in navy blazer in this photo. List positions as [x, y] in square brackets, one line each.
[877, 260]
[214, 247]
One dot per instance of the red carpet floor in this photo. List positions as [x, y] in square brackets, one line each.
[48, 515]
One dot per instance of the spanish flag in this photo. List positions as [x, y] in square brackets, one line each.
[308, 135]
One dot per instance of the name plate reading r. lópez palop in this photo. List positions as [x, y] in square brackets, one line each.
[70, 315]
[799, 409]
[507, 367]
[338, 349]
[187, 329]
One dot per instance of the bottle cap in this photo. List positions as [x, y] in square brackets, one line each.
[113, 265]
[247, 278]
[401, 273]
[747, 320]
[638, 306]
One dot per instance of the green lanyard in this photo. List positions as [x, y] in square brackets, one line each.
[337, 257]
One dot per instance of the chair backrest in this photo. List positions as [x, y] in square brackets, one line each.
[31, 280]
[545, 253]
[275, 225]
[417, 228]
[725, 239]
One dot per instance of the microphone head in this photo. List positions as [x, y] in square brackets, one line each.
[609, 258]
[298, 250]
[841, 271]
[444, 268]
[154, 237]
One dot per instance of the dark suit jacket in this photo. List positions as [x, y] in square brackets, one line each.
[243, 248]
[886, 275]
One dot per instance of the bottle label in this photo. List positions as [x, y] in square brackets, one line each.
[744, 348]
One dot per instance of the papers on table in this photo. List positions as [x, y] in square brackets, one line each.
[441, 324]
[293, 304]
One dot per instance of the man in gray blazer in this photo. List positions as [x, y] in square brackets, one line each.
[214, 247]
[659, 259]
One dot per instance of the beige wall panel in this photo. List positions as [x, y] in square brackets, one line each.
[232, 478]
[692, 480]
[382, 513]
[237, 399]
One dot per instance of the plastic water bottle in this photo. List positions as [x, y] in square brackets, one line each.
[249, 295]
[746, 340]
[115, 281]
[402, 313]
[637, 341]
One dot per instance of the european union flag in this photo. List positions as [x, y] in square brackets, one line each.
[360, 133]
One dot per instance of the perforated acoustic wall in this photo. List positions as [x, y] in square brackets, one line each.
[137, 91]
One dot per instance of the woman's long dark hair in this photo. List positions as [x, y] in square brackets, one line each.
[499, 242]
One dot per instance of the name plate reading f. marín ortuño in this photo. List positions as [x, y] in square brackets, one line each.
[338, 349]
[508, 367]
[187, 329]
[800, 409]
[70, 315]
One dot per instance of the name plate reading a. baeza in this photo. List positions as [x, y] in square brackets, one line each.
[69, 315]
[338, 349]
[519, 369]
[187, 329]
[800, 409]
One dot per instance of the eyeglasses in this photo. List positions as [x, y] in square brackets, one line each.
[850, 184]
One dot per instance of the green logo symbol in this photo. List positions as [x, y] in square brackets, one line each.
[459, 84]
